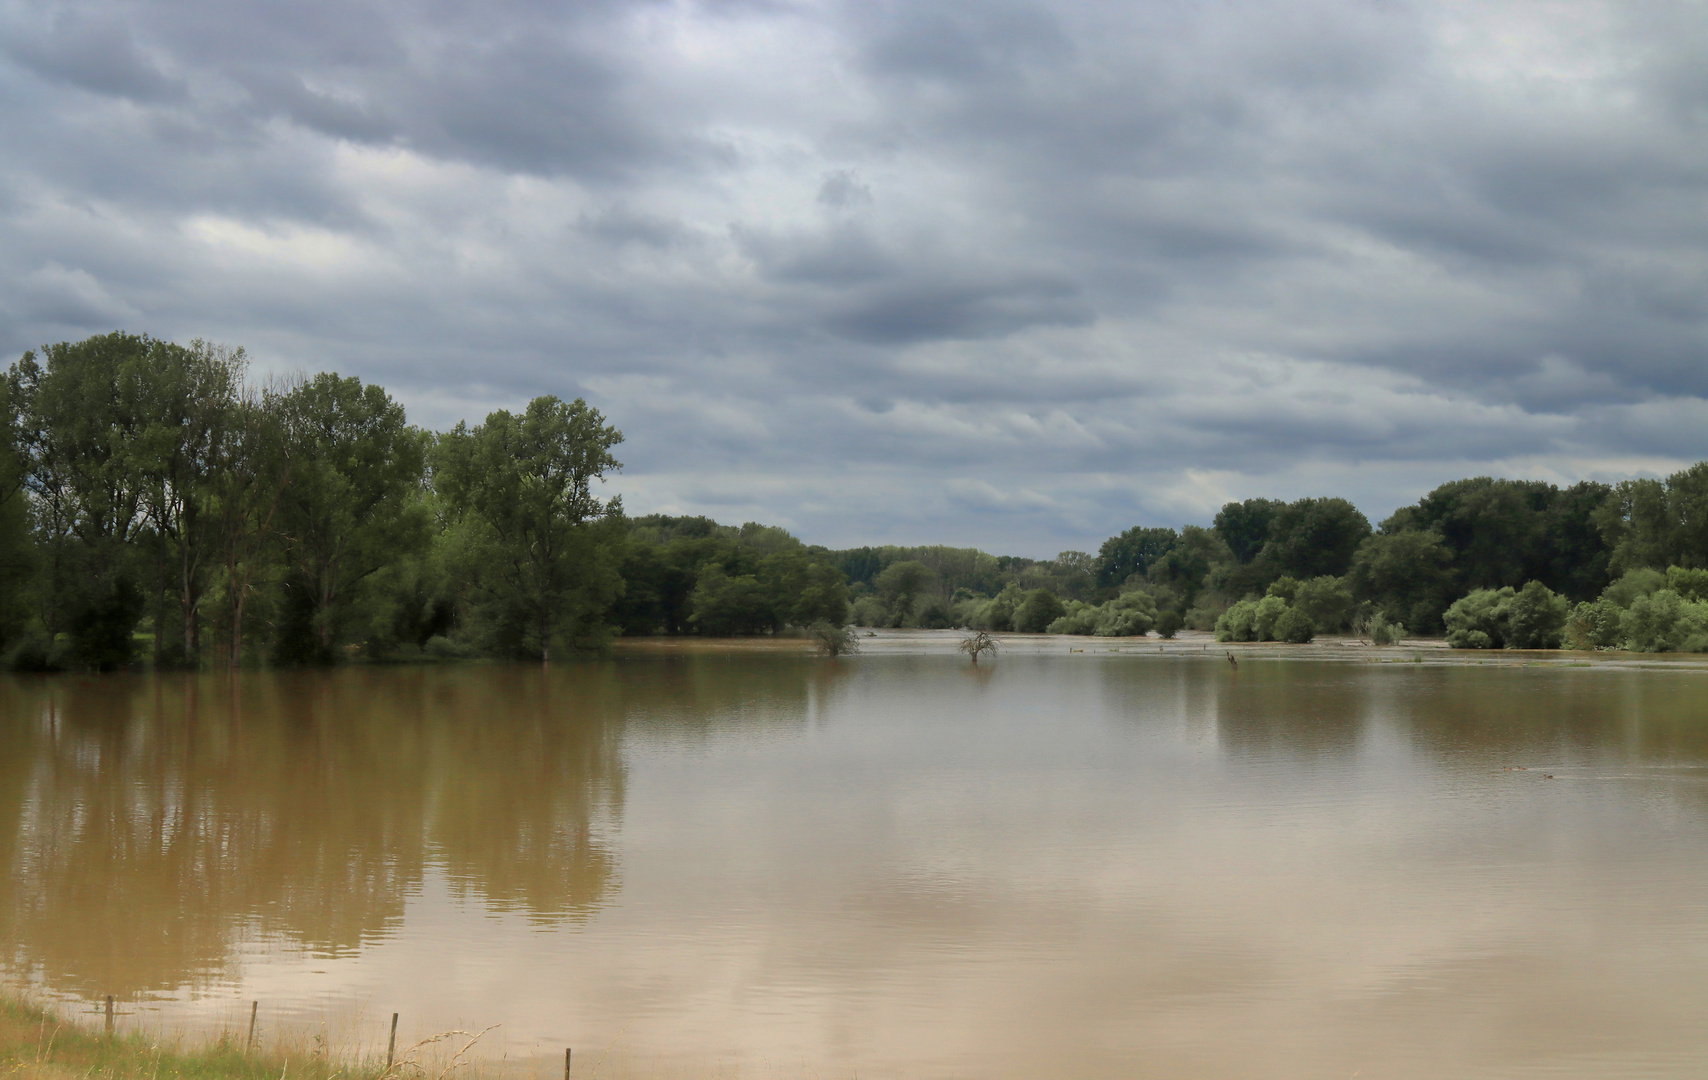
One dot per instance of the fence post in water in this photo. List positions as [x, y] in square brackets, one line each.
[391, 1047]
[249, 1043]
[566, 1063]
[109, 1014]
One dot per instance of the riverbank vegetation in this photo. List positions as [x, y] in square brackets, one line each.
[157, 506]
[37, 1045]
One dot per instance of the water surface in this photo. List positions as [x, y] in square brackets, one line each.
[891, 866]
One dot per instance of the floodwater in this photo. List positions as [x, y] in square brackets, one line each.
[895, 865]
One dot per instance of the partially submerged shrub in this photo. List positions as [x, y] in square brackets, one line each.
[1081, 618]
[1378, 629]
[1264, 616]
[1237, 623]
[1268, 619]
[1129, 615]
[1326, 600]
[1594, 624]
[1664, 621]
[1533, 617]
[1475, 621]
[1037, 612]
[1132, 614]
[833, 640]
[1295, 627]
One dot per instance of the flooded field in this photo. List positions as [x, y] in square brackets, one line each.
[765, 864]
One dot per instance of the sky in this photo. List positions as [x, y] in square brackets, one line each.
[1006, 274]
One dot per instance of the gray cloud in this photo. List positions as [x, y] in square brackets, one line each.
[1018, 274]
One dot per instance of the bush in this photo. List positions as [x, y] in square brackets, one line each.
[997, 613]
[34, 650]
[870, 611]
[1295, 627]
[1535, 618]
[833, 640]
[726, 606]
[1594, 624]
[1081, 618]
[1264, 615]
[1378, 629]
[1624, 592]
[1383, 632]
[1037, 612]
[932, 614]
[1690, 584]
[1530, 618]
[1168, 623]
[440, 647]
[101, 627]
[1132, 614]
[1287, 588]
[1236, 622]
[1664, 621]
[1327, 601]
[1478, 613]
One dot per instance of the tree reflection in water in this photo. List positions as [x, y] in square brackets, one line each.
[147, 823]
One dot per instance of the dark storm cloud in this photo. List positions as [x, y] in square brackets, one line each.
[1011, 273]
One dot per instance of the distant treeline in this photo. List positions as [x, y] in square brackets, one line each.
[157, 506]
[1491, 563]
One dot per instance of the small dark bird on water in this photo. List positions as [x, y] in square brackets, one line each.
[1232, 661]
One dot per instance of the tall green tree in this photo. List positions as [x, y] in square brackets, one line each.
[1132, 552]
[1508, 532]
[1408, 575]
[189, 401]
[353, 504]
[17, 549]
[251, 468]
[80, 414]
[544, 549]
[1245, 526]
[1655, 523]
[1185, 568]
[1314, 537]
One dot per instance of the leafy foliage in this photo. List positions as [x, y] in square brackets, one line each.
[539, 548]
[1533, 617]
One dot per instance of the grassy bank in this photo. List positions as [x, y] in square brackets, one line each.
[35, 1042]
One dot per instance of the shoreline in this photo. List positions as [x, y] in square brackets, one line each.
[1187, 644]
[39, 1042]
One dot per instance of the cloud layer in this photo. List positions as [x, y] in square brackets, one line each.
[1014, 274]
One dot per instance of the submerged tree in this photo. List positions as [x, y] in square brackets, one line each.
[833, 639]
[975, 644]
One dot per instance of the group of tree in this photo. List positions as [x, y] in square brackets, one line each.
[1488, 562]
[156, 505]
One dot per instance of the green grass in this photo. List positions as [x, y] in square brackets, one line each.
[35, 1043]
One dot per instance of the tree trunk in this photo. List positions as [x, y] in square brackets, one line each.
[324, 613]
[237, 598]
[160, 596]
[191, 596]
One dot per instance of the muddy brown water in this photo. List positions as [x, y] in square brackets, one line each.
[765, 864]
